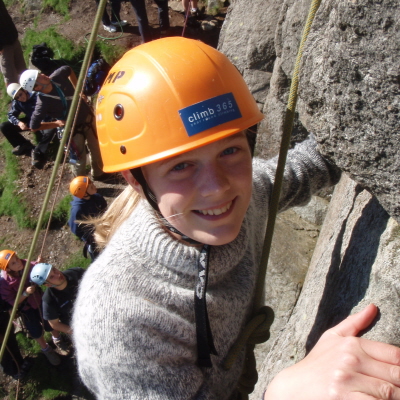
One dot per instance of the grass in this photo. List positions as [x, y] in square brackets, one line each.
[60, 6]
[11, 203]
[60, 213]
[76, 260]
[65, 51]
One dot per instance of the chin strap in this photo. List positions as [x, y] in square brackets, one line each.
[205, 341]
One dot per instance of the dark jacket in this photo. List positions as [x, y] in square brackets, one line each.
[51, 105]
[81, 209]
[20, 107]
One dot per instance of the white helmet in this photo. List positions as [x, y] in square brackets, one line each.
[28, 79]
[40, 272]
[12, 89]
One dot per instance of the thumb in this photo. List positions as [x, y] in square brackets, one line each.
[353, 324]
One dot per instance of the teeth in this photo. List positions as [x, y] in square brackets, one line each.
[217, 211]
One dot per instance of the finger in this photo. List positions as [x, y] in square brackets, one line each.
[379, 389]
[355, 323]
[382, 352]
[359, 386]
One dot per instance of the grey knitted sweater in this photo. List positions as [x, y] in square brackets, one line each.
[133, 323]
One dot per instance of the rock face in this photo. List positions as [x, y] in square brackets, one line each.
[349, 98]
[349, 83]
[350, 92]
[356, 262]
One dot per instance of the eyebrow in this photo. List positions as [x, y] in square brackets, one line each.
[225, 139]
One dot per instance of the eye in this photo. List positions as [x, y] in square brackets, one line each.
[229, 150]
[180, 167]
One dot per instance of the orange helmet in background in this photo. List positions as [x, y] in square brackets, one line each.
[78, 186]
[167, 97]
[5, 256]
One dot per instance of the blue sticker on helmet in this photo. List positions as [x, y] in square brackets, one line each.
[209, 113]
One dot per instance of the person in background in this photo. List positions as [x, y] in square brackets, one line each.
[139, 7]
[110, 25]
[24, 103]
[12, 62]
[191, 6]
[55, 98]
[87, 203]
[30, 303]
[59, 297]
[173, 290]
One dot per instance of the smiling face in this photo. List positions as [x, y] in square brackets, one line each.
[15, 264]
[205, 193]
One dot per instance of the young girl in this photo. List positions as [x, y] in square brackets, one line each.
[30, 302]
[159, 310]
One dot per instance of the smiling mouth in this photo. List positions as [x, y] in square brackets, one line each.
[216, 211]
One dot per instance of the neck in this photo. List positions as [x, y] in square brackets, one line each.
[47, 88]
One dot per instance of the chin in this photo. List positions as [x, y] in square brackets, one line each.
[215, 239]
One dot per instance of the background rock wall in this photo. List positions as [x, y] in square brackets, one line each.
[349, 97]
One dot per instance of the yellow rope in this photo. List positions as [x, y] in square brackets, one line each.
[256, 326]
[74, 106]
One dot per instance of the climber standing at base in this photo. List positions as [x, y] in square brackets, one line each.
[87, 203]
[56, 92]
[173, 289]
[59, 297]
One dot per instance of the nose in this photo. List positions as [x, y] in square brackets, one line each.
[213, 180]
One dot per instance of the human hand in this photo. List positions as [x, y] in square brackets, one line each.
[342, 366]
[59, 123]
[30, 289]
[23, 126]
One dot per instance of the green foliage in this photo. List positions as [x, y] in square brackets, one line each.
[60, 213]
[64, 50]
[44, 381]
[108, 51]
[11, 203]
[76, 260]
[60, 6]
[28, 347]
[4, 100]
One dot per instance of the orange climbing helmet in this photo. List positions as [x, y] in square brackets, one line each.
[167, 97]
[5, 256]
[78, 186]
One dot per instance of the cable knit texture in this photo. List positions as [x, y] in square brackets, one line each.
[134, 326]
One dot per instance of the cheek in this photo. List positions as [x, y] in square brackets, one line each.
[172, 204]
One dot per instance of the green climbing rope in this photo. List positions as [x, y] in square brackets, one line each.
[71, 115]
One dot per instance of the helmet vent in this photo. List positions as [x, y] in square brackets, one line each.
[118, 112]
[123, 149]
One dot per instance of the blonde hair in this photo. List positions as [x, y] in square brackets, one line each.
[106, 224]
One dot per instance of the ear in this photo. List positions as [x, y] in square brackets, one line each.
[133, 182]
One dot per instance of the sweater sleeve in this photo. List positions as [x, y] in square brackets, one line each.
[306, 172]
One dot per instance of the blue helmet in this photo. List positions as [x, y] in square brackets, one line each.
[40, 272]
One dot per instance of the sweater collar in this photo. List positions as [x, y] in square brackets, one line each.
[152, 240]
